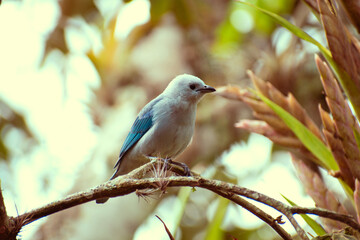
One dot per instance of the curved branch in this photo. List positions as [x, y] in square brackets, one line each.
[137, 180]
[274, 223]
[347, 219]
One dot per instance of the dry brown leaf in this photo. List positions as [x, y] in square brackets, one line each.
[340, 40]
[344, 123]
[315, 186]
[335, 144]
[313, 5]
[230, 92]
[261, 127]
[357, 199]
[353, 10]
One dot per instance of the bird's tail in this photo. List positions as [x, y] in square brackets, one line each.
[104, 200]
[101, 200]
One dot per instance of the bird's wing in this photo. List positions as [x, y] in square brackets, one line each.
[142, 124]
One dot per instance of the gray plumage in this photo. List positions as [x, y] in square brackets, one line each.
[164, 127]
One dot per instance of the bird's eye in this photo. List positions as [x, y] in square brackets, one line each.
[192, 86]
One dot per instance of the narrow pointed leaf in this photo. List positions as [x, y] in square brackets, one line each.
[357, 137]
[310, 141]
[357, 199]
[183, 196]
[318, 229]
[342, 125]
[316, 187]
[291, 27]
[214, 231]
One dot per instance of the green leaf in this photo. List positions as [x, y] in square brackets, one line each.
[318, 229]
[310, 141]
[214, 231]
[357, 137]
[183, 196]
[158, 9]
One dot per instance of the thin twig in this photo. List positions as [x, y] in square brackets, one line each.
[4, 219]
[166, 228]
[3, 216]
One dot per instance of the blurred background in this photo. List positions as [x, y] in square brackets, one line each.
[75, 73]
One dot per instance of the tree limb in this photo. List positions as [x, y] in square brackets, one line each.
[138, 180]
[274, 223]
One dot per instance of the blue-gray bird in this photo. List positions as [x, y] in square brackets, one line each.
[164, 127]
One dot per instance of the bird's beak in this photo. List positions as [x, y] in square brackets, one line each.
[206, 89]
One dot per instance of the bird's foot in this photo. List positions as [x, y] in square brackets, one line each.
[187, 171]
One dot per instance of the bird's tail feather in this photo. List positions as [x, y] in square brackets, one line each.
[101, 200]
[104, 200]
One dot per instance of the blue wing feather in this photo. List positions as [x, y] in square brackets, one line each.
[142, 124]
[139, 128]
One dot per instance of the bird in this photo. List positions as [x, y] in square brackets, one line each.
[164, 127]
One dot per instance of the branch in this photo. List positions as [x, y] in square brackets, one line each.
[4, 219]
[347, 219]
[3, 216]
[274, 223]
[138, 180]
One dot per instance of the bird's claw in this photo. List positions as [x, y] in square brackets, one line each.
[187, 171]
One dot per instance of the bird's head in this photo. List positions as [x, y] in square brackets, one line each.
[188, 88]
